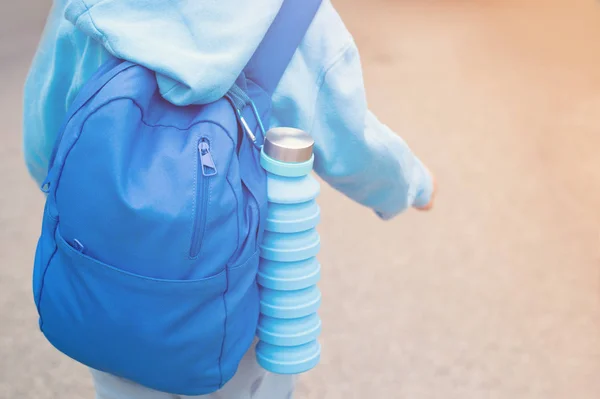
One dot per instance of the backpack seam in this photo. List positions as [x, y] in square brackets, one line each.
[221, 383]
[43, 278]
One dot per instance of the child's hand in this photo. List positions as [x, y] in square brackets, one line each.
[432, 200]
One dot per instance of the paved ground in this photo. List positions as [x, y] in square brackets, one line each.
[494, 295]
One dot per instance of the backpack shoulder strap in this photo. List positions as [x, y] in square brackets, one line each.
[271, 58]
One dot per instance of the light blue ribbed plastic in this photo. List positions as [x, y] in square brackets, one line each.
[289, 276]
[290, 359]
[289, 332]
[289, 218]
[290, 304]
[289, 325]
[290, 247]
[286, 169]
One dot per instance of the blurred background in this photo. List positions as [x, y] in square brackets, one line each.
[495, 294]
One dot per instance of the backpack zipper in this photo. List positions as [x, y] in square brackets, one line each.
[206, 170]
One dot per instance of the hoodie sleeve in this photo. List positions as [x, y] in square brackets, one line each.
[187, 43]
[357, 154]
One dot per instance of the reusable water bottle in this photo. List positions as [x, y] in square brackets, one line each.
[289, 298]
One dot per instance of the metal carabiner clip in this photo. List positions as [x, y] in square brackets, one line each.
[247, 129]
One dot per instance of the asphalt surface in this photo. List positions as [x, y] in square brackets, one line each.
[495, 294]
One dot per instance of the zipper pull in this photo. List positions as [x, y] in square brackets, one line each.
[206, 159]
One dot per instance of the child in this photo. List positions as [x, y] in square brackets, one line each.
[198, 49]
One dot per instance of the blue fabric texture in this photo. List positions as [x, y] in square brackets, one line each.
[197, 49]
[146, 265]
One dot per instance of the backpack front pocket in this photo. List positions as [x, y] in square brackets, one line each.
[164, 334]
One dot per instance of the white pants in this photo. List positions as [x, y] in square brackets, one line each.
[250, 382]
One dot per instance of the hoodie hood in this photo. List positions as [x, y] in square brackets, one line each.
[197, 48]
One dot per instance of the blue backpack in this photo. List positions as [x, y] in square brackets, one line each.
[147, 261]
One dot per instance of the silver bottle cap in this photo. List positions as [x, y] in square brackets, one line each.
[286, 144]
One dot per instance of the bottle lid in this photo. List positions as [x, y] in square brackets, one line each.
[286, 144]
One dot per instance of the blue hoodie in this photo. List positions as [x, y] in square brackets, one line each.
[197, 49]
